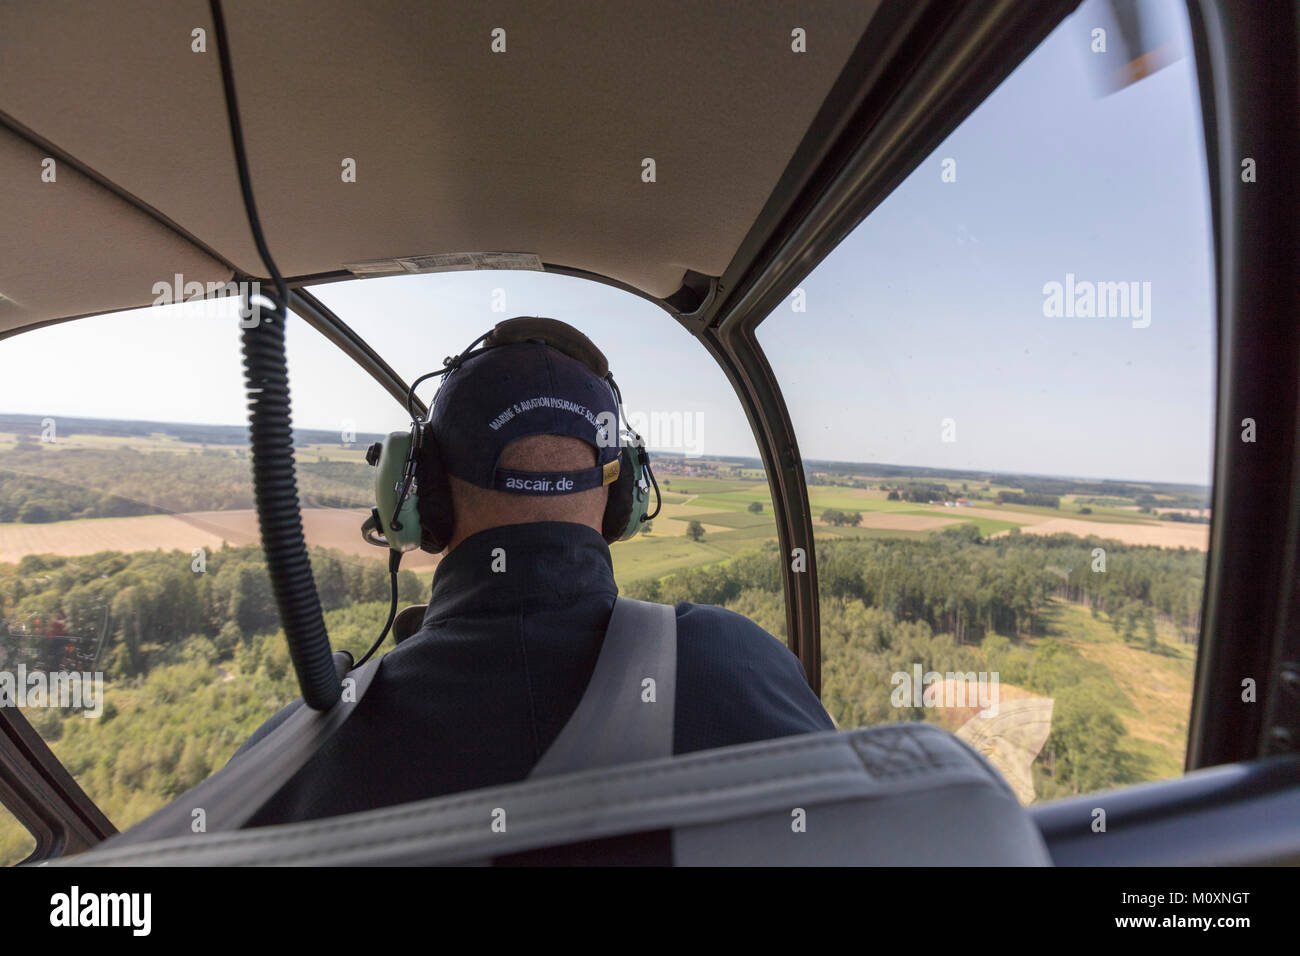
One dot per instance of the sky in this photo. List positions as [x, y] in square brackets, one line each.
[927, 323]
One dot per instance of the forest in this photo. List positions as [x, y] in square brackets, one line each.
[118, 481]
[193, 661]
[957, 602]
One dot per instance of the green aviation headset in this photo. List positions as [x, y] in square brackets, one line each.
[412, 493]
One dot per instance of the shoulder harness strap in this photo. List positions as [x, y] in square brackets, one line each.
[626, 713]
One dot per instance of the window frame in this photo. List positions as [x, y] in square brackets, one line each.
[917, 73]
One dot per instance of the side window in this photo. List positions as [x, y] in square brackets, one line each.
[138, 619]
[16, 844]
[1003, 385]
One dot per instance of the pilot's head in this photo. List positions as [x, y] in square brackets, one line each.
[527, 433]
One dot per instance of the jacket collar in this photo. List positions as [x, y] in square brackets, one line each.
[539, 564]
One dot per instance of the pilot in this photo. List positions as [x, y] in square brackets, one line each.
[519, 607]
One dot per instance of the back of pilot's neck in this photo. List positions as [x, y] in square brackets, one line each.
[471, 530]
[542, 564]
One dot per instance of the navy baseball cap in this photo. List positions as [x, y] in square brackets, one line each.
[516, 390]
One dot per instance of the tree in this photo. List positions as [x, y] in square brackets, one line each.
[893, 496]
[410, 590]
[374, 584]
[1149, 628]
[834, 516]
[1085, 737]
[1125, 619]
[192, 769]
[854, 519]
[331, 583]
[36, 512]
[755, 507]
[695, 531]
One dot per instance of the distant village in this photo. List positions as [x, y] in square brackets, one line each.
[703, 468]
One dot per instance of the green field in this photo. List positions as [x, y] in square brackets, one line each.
[653, 556]
[355, 453]
[1071, 510]
[1153, 690]
[987, 526]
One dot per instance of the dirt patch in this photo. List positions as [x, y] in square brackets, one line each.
[1163, 535]
[324, 527]
[953, 717]
[1191, 512]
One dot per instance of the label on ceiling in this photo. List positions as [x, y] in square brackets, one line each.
[446, 262]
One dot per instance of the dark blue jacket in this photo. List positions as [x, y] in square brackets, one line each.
[476, 696]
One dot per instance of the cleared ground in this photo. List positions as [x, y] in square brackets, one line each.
[1155, 689]
[74, 538]
[325, 527]
[1162, 535]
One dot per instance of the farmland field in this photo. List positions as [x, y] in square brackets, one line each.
[323, 527]
[1162, 534]
[721, 504]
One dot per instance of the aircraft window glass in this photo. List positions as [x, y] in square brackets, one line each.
[16, 842]
[130, 557]
[1003, 385]
[717, 508]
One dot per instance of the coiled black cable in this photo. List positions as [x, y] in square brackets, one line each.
[275, 489]
[394, 559]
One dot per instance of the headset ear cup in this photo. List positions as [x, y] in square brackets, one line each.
[433, 497]
[618, 509]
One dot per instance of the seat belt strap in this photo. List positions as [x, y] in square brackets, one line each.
[232, 795]
[626, 713]
[620, 719]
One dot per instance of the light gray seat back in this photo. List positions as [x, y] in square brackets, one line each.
[898, 795]
[901, 794]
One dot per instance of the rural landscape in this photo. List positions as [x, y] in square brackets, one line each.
[131, 548]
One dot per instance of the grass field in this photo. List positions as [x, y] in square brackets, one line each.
[356, 452]
[1099, 513]
[153, 443]
[654, 555]
[1155, 687]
